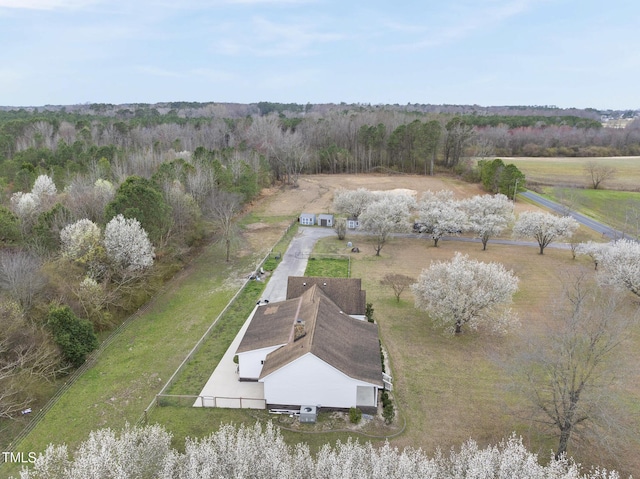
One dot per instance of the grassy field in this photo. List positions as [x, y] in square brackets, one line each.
[619, 209]
[197, 371]
[447, 388]
[569, 172]
[132, 369]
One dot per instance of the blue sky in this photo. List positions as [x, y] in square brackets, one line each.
[569, 53]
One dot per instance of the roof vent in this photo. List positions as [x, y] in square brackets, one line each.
[304, 284]
[324, 284]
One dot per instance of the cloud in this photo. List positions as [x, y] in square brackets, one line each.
[266, 38]
[458, 22]
[47, 4]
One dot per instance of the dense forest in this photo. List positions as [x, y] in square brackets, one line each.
[81, 184]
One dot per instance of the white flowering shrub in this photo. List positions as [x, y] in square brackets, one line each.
[24, 204]
[44, 188]
[251, 452]
[465, 291]
[81, 240]
[127, 244]
[104, 190]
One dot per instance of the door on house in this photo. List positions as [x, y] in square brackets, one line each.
[323, 222]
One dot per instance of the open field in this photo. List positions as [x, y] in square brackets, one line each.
[623, 216]
[569, 172]
[448, 389]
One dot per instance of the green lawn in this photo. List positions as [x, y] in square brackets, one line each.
[197, 371]
[132, 369]
[619, 209]
[327, 267]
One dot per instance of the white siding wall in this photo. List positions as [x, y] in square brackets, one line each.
[309, 380]
[250, 362]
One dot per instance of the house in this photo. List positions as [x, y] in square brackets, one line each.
[353, 222]
[308, 351]
[325, 220]
[308, 219]
[347, 293]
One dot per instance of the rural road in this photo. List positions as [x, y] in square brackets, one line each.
[582, 219]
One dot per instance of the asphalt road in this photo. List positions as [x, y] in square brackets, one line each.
[582, 219]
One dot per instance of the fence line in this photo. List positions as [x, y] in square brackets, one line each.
[89, 362]
[144, 417]
[94, 355]
[210, 401]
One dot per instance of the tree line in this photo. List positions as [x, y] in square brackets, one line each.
[341, 139]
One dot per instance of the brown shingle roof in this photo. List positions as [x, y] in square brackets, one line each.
[347, 344]
[347, 293]
[270, 326]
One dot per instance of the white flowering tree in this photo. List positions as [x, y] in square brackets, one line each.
[464, 291]
[440, 215]
[593, 250]
[390, 214]
[544, 227]
[24, 204]
[488, 215]
[352, 202]
[81, 240]
[44, 189]
[127, 244]
[262, 453]
[621, 265]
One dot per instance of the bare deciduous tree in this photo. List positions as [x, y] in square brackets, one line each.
[398, 282]
[598, 173]
[20, 276]
[567, 372]
[26, 355]
[222, 208]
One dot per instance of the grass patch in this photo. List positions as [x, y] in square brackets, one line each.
[619, 209]
[197, 371]
[327, 267]
[201, 422]
[132, 369]
[571, 172]
[450, 389]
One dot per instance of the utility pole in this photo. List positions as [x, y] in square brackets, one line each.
[515, 190]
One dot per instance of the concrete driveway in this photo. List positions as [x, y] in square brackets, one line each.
[223, 389]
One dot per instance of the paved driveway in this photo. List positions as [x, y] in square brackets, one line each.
[223, 389]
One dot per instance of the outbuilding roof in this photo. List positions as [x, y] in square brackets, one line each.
[347, 293]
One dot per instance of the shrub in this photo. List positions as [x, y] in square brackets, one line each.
[74, 336]
[368, 312]
[388, 413]
[355, 415]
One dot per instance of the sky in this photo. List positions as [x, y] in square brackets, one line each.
[567, 53]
